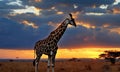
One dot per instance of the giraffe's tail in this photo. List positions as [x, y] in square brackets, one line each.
[34, 58]
[33, 62]
[34, 52]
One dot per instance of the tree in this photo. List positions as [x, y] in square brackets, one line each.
[110, 56]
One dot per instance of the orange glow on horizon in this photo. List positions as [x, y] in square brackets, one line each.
[13, 54]
[62, 53]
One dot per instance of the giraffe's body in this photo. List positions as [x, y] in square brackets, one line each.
[50, 43]
[48, 46]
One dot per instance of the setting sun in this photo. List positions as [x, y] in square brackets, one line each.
[62, 53]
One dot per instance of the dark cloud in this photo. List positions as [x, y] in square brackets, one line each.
[11, 4]
[5, 12]
[94, 10]
[6, 8]
[15, 35]
[46, 4]
[96, 20]
[38, 20]
[67, 6]
[48, 12]
[83, 37]
[114, 6]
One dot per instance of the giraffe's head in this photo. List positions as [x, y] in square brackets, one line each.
[72, 21]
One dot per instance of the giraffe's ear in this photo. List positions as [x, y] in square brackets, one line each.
[72, 21]
[70, 16]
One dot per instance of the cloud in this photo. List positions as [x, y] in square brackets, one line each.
[100, 20]
[17, 36]
[4, 12]
[114, 8]
[59, 6]
[94, 10]
[23, 22]
[46, 4]
[83, 37]
[66, 6]
[38, 20]
[11, 4]
[29, 24]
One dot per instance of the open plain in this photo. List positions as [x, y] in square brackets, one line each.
[92, 65]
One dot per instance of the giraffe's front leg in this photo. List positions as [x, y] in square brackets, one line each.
[53, 62]
[36, 66]
[49, 61]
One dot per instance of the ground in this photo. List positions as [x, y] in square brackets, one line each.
[62, 66]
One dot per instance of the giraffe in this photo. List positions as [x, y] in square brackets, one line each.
[48, 46]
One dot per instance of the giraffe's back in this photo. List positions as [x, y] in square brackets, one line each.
[44, 47]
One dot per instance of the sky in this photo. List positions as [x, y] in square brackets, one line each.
[24, 22]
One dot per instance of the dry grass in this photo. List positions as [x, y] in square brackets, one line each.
[65, 66]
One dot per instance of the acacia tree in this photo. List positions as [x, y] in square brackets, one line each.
[110, 56]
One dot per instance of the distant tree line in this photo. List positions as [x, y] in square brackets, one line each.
[110, 56]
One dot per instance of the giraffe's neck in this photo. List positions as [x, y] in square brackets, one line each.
[57, 34]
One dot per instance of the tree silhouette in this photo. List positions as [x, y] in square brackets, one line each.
[110, 56]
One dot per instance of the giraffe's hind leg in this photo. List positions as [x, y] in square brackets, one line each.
[37, 58]
[36, 62]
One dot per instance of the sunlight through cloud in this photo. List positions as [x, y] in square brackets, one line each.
[28, 9]
[75, 6]
[103, 6]
[17, 2]
[38, 0]
[29, 24]
[97, 14]
[117, 30]
[116, 2]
